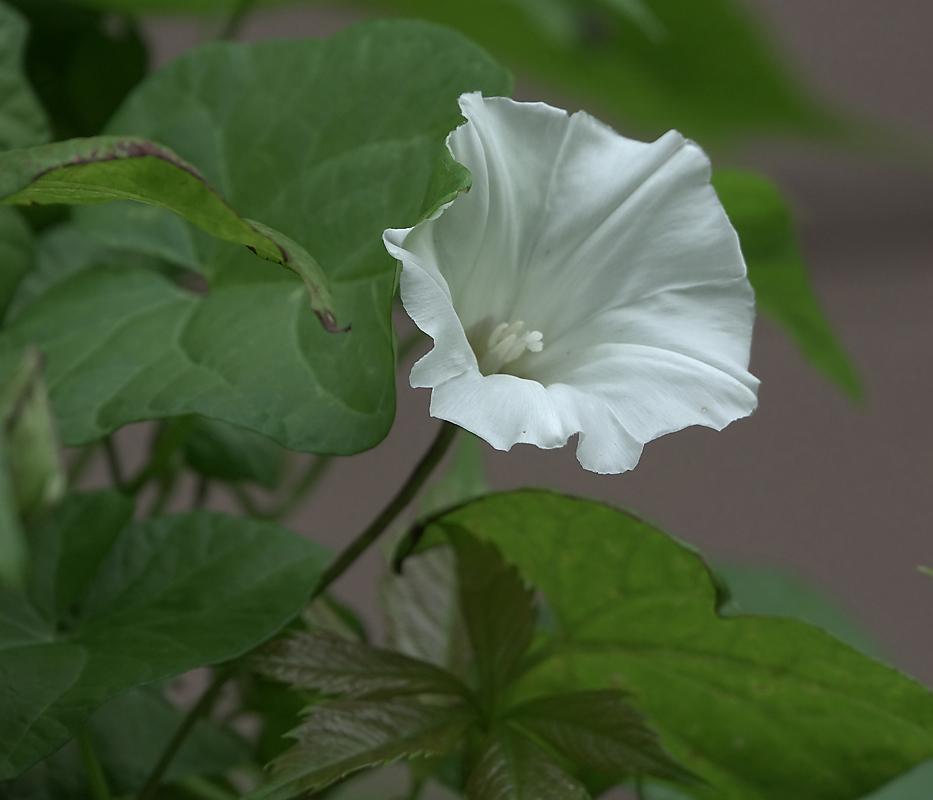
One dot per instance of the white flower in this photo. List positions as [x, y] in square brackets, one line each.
[587, 283]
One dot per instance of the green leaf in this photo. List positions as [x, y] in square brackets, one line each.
[298, 156]
[69, 548]
[498, 609]
[12, 540]
[333, 665]
[602, 731]
[218, 449]
[344, 736]
[33, 455]
[774, 592]
[701, 66]
[511, 767]
[760, 708]
[173, 593]
[422, 611]
[129, 735]
[17, 255]
[81, 63]
[778, 274]
[22, 120]
[103, 168]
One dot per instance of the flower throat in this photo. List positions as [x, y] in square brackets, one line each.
[507, 343]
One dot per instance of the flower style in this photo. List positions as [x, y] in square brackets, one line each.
[587, 283]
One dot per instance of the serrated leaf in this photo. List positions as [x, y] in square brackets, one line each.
[344, 736]
[17, 255]
[509, 766]
[602, 731]
[104, 168]
[229, 452]
[498, 609]
[172, 593]
[760, 708]
[294, 154]
[422, 611]
[22, 120]
[333, 665]
[778, 274]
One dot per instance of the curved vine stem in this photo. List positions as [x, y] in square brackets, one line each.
[398, 504]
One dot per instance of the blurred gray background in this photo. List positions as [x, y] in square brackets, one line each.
[841, 495]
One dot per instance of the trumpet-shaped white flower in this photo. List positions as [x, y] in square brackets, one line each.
[587, 283]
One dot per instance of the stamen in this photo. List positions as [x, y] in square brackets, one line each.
[507, 343]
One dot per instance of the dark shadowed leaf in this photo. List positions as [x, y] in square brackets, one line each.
[600, 731]
[221, 450]
[778, 274]
[129, 734]
[22, 120]
[498, 609]
[17, 255]
[509, 766]
[344, 736]
[760, 708]
[171, 594]
[81, 63]
[332, 665]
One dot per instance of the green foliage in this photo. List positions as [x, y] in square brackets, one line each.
[218, 449]
[103, 168]
[81, 63]
[777, 272]
[253, 333]
[499, 613]
[344, 736]
[129, 734]
[165, 596]
[17, 254]
[760, 708]
[22, 120]
[33, 456]
[511, 767]
[333, 665]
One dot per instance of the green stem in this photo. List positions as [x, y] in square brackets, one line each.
[168, 441]
[200, 709]
[95, 772]
[81, 463]
[404, 496]
[166, 488]
[113, 463]
[640, 787]
[231, 27]
[201, 491]
[204, 789]
[303, 485]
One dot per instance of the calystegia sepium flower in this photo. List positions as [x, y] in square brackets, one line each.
[587, 283]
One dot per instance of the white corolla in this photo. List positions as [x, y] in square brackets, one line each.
[587, 283]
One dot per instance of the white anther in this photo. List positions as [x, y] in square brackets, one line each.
[507, 343]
